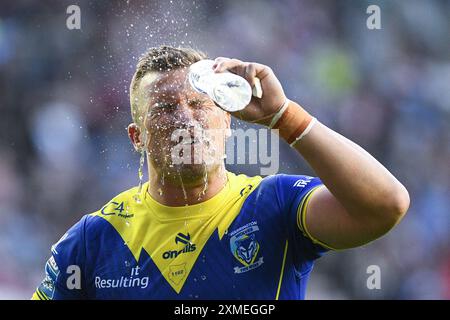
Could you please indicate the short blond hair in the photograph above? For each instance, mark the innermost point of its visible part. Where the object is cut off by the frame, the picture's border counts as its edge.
(159, 59)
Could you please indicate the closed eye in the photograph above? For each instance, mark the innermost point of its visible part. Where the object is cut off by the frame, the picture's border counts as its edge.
(197, 103)
(159, 107)
(164, 105)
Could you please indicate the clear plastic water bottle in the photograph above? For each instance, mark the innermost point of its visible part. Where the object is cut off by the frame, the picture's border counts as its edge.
(230, 91)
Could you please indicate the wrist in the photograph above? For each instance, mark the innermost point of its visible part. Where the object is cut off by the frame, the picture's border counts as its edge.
(292, 122)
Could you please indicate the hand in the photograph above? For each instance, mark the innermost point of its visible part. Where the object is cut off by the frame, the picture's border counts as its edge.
(259, 110)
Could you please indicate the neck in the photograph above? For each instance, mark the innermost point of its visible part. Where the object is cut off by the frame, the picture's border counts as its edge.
(176, 193)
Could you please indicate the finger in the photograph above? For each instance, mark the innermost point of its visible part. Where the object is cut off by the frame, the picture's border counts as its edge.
(262, 70)
(219, 60)
(250, 73)
(224, 64)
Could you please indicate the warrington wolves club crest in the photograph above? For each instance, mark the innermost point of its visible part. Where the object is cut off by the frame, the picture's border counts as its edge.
(245, 247)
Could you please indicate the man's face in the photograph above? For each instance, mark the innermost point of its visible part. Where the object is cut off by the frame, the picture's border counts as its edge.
(184, 130)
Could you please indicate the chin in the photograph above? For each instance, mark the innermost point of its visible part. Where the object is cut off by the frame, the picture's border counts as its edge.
(191, 164)
(191, 174)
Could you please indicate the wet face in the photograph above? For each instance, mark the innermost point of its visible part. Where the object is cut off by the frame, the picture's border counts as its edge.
(184, 130)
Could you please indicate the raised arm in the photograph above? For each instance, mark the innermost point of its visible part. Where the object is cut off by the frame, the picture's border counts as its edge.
(360, 200)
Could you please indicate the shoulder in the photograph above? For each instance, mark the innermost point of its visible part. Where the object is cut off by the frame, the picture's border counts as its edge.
(285, 182)
(285, 189)
(280, 185)
(121, 207)
(242, 179)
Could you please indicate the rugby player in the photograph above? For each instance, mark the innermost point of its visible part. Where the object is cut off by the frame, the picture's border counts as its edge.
(198, 231)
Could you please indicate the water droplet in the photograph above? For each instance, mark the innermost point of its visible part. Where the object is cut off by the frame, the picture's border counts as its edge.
(183, 188)
(205, 182)
(203, 277)
(137, 197)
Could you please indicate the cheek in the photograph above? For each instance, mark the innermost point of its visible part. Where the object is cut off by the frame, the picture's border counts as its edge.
(158, 135)
(214, 122)
(162, 126)
(211, 118)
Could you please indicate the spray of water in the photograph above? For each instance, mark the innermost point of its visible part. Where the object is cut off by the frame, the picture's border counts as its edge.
(183, 189)
(172, 23)
(205, 182)
(185, 202)
(137, 196)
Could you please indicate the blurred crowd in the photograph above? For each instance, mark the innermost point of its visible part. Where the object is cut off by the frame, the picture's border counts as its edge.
(64, 109)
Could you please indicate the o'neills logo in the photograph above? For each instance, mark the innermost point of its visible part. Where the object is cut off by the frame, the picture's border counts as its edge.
(132, 281)
(188, 246)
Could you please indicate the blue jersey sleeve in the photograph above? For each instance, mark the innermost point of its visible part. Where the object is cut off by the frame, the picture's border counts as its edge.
(294, 192)
(65, 268)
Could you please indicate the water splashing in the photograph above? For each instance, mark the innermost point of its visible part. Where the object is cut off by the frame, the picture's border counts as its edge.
(183, 188)
(137, 196)
(205, 182)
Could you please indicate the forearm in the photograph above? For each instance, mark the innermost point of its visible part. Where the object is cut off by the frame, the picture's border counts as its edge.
(360, 183)
(354, 178)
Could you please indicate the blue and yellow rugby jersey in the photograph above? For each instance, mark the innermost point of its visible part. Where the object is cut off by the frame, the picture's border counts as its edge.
(247, 242)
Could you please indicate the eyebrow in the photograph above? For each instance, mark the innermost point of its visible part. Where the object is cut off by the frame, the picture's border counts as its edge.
(160, 105)
(202, 99)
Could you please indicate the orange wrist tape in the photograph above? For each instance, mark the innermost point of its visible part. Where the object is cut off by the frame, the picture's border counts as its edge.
(293, 122)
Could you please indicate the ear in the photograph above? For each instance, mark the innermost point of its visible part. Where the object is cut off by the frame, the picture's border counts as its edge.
(134, 133)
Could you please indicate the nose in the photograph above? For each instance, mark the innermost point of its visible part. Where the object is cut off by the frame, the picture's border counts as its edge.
(180, 116)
